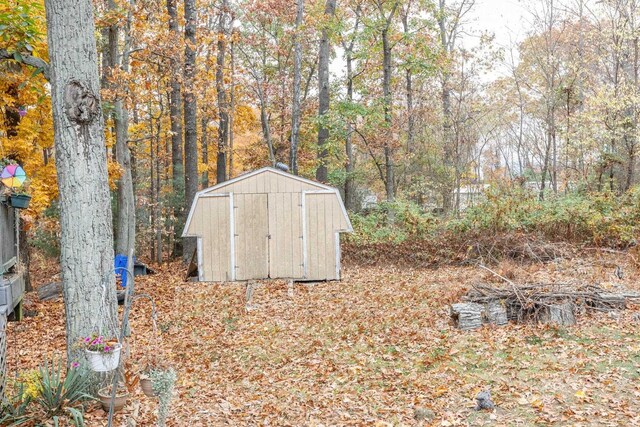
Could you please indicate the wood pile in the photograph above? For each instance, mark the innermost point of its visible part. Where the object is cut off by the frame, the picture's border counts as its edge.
(538, 302)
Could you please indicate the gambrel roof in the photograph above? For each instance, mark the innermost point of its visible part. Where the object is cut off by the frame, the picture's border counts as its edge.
(266, 180)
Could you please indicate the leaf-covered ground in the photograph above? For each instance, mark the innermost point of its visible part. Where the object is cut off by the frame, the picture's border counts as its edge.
(369, 350)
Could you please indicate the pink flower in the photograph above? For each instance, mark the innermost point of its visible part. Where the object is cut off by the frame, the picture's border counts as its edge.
(75, 364)
(87, 339)
(107, 348)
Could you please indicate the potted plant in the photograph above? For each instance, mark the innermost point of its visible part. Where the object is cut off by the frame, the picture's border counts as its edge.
(19, 199)
(121, 398)
(153, 369)
(103, 354)
(162, 383)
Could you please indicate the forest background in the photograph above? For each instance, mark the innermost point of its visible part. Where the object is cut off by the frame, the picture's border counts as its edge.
(380, 98)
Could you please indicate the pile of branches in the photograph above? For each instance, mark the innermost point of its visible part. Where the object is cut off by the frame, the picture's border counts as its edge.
(517, 246)
(448, 248)
(538, 302)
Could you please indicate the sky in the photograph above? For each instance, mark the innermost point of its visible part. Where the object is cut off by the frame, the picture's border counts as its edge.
(506, 19)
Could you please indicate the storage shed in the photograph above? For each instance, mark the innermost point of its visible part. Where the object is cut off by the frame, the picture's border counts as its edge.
(267, 224)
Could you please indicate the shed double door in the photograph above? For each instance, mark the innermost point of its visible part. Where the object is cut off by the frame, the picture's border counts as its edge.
(268, 236)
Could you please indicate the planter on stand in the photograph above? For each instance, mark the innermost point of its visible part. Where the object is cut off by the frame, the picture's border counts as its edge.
(147, 387)
(19, 201)
(122, 396)
(104, 362)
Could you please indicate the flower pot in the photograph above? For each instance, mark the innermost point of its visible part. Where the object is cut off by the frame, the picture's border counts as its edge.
(19, 201)
(122, 396)
(104, 362)
(147, 387)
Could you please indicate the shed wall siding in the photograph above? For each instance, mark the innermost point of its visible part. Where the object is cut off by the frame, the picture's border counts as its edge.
(323, 218)
(7, 234)
(251, 220)
(212, 221)
(268, 225)
(285, 229)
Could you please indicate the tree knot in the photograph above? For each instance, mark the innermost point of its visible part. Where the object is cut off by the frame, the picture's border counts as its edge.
(81, 105)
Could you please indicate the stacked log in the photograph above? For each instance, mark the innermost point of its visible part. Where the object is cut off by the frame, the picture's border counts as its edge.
(546, 303)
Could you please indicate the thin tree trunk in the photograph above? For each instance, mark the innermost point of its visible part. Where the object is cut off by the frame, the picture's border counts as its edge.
(266, 129)
(446, 112)
(323, 91)
(190, 117)
(386, 89)
(204, 146)
(126, 222)
(297, 71)
(175, 117)
(232, 99)
(85, 210)
(223, 112)
(408, 87)
(349, 183)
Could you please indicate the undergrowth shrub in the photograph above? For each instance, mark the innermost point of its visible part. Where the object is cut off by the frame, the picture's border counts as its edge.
(409, 221)
(597, 218)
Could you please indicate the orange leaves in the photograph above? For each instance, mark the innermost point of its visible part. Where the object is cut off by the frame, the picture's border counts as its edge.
(362, 351)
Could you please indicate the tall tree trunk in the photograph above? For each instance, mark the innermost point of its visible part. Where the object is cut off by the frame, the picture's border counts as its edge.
(126, 221)
(232, 99)
(175, 117)
(297, 77)
(266, 128)
(408, 86)
(223, 111)
(447, 124)
(323, 90)
(204, 146)
(349, 183)
(386, 90)
(85, 209)
(190, 119)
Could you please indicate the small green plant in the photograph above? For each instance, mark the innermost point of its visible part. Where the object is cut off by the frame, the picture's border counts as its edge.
(162, 382)
(48, 396)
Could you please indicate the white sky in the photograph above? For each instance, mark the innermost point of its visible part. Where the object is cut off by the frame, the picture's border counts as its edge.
(504, 18)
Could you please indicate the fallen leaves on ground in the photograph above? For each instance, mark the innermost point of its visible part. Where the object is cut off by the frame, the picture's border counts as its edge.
(368, 350)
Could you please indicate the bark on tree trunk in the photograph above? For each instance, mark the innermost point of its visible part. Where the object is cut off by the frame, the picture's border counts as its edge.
(349, 183)
(408, 87)
(386, 88)
(126, 220)
(297, 71)
(232, 99)
(190, 119)
(85, 208)
(175, 115)
(323, 91)
(223, 113)
(446, 112)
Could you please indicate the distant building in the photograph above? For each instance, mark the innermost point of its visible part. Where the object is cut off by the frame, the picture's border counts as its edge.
(470, 195)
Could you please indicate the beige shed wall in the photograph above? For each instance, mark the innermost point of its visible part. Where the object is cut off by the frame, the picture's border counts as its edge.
(279, 223)
(211, 221)
(323, 217)
(285, 228)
